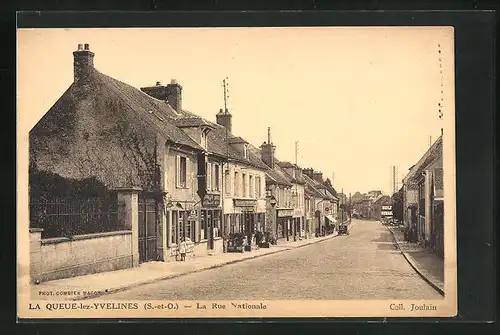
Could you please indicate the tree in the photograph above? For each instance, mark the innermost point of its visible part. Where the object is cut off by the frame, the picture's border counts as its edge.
(397, 205)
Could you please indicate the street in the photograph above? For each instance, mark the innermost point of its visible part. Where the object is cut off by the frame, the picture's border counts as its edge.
(364, 265)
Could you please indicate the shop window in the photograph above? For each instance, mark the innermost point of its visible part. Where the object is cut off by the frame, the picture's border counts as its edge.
(173, 232)
(180, 224)
(233, 228)
(190, 224)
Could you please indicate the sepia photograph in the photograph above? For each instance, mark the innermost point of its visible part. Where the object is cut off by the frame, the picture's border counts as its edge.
(236, 172)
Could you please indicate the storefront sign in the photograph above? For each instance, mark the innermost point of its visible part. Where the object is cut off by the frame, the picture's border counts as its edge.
(285, 212)
(211, 200)
(244, 203)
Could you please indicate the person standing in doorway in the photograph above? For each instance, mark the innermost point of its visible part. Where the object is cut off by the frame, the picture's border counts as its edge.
(182, 249)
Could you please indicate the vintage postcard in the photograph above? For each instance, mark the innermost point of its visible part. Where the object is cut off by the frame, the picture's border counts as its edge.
(236, 172)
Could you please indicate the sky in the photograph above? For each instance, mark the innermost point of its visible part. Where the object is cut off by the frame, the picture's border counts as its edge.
(358, 100)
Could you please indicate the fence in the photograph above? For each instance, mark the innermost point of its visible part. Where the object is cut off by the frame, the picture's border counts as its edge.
(69, 216)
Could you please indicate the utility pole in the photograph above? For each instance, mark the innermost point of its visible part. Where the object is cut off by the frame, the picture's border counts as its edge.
(342, 207)
(296, 191)
(225, 218)
(225, 84)
(393, 179)
(350, 208)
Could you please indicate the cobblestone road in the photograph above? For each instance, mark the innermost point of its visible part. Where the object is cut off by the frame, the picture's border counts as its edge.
(362, 265)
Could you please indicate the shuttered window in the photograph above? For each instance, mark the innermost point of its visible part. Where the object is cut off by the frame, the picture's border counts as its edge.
(227, 182)
(258, 187)
(244, 182)
(250, 187)
(216, 177)
(209, 176)
(236, 184)
(182, 171)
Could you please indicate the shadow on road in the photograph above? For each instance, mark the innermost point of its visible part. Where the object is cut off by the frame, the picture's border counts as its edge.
(384, 237)
(385, 241)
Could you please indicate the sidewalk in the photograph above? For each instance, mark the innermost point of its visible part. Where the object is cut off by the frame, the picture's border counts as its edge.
(429, 266)
(98, 284)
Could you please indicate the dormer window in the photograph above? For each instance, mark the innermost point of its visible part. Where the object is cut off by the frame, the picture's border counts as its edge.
(245, 150)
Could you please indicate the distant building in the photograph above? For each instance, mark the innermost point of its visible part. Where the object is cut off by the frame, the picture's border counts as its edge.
(382, 207)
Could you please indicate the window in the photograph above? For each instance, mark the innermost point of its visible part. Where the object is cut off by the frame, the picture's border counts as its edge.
(236, 184)
(216, 177)
(182, 165)
(227, 182)
(244, 178)
(245, 151)
(250, 187)
(258, 187)
(209, 176)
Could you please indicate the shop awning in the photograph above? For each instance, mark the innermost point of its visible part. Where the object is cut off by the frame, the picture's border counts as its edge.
(331, 218)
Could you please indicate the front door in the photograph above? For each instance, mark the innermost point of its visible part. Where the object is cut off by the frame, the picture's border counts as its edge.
(210, 228)
(147, 229)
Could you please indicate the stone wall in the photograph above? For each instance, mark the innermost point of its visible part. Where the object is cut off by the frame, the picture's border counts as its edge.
(61, 257)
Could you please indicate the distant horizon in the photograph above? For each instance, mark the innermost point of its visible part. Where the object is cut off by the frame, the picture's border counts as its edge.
(358, 100)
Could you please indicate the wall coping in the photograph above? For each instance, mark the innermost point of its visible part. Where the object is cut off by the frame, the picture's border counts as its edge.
(56, 240)
(128, 189)
(36, 230)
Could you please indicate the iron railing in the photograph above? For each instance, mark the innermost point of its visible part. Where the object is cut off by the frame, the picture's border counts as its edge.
(68, 216)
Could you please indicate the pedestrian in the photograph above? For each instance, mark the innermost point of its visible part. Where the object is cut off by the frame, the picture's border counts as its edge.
(182, 249)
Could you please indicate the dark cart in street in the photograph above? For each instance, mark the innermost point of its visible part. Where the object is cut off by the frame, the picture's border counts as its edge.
(343, 230)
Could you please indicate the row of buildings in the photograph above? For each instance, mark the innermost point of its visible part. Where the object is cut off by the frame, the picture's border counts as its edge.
(423, 199)
(370, 205)
(189, 178)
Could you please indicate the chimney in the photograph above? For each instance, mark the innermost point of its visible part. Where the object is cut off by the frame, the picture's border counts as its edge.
(318, 176)
(224, 118)
(267, 151)
(174, 95)
(309, 172)
(83, 62)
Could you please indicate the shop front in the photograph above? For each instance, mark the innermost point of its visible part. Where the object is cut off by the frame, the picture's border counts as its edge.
(245, 217)
(181, 222)
(284, 223)
(298, 223)
(210, 231)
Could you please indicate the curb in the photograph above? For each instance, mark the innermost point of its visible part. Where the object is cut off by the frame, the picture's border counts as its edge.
(415, 267)
(176, 275)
